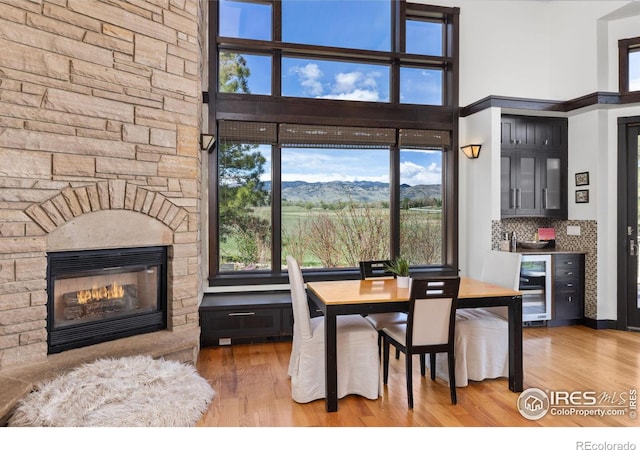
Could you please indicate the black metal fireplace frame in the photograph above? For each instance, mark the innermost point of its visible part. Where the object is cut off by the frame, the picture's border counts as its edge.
(80, 335)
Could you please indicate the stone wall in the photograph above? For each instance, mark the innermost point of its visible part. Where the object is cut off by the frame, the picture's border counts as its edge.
(100, 106)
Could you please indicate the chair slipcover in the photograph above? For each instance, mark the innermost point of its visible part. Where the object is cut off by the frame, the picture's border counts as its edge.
(357, 348)
(482, 334)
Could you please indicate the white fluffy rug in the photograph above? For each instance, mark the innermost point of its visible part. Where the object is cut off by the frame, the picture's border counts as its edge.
(136, 391)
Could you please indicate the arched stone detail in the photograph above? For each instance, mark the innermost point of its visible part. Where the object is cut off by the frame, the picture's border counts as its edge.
(105, 195)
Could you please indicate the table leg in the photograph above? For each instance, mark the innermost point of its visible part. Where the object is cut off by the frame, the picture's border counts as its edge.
(516, 370)
(331, 360)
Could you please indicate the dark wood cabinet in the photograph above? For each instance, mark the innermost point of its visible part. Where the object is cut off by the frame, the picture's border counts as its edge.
(533, 167)
(568, 289)
(245, 317)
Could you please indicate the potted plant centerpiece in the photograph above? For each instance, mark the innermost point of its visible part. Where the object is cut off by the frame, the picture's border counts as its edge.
(400, 268)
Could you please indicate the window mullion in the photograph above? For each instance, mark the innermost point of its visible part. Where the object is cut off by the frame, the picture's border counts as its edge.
(276, 209)
(394, 204)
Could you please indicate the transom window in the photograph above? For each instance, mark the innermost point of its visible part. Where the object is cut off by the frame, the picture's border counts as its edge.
(334, 124)
(629, 65)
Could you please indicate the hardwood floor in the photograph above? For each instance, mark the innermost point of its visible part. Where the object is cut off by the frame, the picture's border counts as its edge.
(253, 389)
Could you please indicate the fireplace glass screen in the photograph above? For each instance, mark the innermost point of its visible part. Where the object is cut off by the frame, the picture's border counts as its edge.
(99, 295)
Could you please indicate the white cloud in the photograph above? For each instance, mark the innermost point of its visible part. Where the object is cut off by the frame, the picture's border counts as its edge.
(357, 94)
(414, 174)
(354, 86)
(310, 76)
(346, 82)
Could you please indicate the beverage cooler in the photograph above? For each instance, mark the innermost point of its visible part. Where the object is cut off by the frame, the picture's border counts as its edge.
(535, 284)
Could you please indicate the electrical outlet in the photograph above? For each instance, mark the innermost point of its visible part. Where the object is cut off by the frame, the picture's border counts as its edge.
(573, 230)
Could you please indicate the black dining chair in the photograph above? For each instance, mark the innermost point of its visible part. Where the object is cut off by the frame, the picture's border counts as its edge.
(430, 328)
(378, 269)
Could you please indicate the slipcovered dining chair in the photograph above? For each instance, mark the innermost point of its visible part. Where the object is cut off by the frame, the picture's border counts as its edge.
(378, 269)
(358, 361)
(430, 328)
(482, 334)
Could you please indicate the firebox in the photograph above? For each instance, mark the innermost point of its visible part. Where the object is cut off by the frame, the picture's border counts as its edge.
(99, 295)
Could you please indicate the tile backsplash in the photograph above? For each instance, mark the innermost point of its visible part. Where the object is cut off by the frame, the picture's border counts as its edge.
(586, 242)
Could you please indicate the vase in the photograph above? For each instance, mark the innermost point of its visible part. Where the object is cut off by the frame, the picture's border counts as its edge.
(403, 282)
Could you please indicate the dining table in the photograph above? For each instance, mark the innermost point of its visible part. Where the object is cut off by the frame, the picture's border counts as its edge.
(334, 298)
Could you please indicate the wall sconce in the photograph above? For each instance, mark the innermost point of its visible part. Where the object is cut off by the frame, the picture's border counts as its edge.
(207, 141)
(471, 151)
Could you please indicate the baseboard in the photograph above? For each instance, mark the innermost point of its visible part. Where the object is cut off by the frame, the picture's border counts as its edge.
(601, 324)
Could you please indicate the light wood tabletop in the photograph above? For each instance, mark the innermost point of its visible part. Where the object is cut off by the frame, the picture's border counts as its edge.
(385, 290)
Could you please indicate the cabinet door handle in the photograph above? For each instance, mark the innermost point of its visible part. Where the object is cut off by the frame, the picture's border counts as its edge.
(569, 273)
(569, 284)
(544, 197)
(514, 203)
(569, 299)
(242, 314)
(519, 205)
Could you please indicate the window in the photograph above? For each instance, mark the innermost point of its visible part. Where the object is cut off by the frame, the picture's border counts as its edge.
(338, 147)
(420, 86)
(335, 195)
(424, 37)
(335, 209)
(338, 80)
(634, 69)
(246, 20)
(357, 24)
(629, 65)
(244, 73)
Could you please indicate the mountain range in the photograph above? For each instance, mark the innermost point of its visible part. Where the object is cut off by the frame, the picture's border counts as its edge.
(359, 191)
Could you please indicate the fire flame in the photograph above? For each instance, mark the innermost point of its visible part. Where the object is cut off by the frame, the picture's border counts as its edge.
(100, 293)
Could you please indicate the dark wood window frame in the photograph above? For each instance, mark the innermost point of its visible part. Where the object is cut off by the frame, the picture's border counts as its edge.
(277, 109)
(625, 46)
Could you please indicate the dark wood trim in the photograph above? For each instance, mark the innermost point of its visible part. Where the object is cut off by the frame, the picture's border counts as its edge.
(595, 98)
(527, 104)
(630, 97)
(510, 102)
(623, 199)
(247, 107)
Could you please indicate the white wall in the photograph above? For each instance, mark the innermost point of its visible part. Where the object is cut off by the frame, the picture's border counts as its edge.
(535, 49)
(556, 50)
(479, 184)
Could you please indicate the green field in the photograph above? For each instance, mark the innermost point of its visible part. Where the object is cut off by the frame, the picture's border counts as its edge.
(421, 226)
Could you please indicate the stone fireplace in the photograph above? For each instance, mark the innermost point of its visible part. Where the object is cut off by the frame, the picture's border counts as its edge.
(100, 119)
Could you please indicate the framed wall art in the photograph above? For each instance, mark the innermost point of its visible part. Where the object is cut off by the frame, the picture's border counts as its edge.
(582, 196)
(582, 178)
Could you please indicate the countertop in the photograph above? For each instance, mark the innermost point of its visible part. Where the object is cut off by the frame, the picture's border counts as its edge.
(547, 251)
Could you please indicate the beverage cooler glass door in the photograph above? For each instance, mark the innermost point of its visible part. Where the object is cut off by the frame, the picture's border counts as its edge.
(535, 284)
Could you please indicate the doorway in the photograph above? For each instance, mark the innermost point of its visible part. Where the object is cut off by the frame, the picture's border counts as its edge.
(628, 223)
